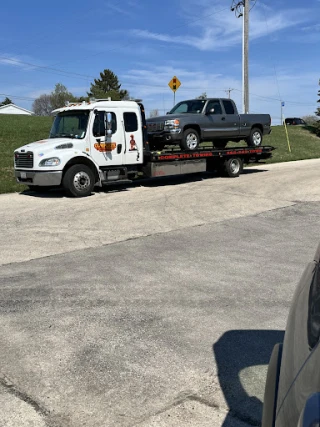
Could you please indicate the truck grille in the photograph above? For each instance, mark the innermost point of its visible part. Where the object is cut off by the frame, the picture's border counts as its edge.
(23, 160)
(155, 126)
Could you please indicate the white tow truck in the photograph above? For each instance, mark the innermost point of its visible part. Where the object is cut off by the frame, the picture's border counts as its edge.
(98, 143)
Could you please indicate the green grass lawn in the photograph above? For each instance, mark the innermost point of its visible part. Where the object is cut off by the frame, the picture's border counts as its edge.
(16, 131)
(304, 144)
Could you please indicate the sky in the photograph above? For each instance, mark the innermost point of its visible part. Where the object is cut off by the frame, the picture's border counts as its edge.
(147, 42)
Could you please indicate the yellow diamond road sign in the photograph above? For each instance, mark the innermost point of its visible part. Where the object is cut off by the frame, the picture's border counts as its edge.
(174, 83)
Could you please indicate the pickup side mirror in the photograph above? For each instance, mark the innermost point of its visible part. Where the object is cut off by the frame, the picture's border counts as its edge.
(211, 111)
(108, 123)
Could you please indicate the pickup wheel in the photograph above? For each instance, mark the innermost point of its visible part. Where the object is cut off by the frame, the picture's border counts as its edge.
(233, 167)
(255, 138)
(190, 140)
(78, 181)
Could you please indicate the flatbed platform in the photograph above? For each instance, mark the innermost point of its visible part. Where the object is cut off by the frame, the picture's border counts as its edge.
(256, 153)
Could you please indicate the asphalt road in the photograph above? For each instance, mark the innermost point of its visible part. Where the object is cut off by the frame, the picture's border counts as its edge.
(154, 305)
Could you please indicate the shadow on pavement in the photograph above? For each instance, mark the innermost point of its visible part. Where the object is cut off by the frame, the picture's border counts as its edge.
(143, 182)
(235, 352)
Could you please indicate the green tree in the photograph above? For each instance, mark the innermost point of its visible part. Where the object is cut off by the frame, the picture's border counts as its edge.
(6, 102)
(60, 95)
(107, 86)
(317, 125)
(203, 96)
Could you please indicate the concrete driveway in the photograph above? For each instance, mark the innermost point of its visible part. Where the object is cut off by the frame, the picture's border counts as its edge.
(151, 305)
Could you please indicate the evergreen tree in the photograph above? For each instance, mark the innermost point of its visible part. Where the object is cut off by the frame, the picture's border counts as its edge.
(107, 86)
(6, 101)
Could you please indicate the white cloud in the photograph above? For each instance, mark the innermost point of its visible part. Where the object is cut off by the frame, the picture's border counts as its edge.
(216, 31)
(314, 27)
(7, 59)
(297, 89)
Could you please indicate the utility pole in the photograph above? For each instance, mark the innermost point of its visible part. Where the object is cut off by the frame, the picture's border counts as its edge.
(282, 105)
(242, 8)
(245, 57)
(228, 92)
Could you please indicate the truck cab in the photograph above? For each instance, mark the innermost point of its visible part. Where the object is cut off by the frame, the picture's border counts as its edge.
(89, 143)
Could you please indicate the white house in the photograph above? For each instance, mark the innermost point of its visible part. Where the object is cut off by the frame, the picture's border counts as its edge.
(14, 109)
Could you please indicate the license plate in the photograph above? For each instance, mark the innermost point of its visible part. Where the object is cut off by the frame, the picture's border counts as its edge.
(23, 175)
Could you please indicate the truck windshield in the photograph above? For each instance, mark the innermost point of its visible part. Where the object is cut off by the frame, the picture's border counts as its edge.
(194, 106)
(70, 124)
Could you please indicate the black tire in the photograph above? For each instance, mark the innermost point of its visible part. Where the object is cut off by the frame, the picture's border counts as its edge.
(220, 145)
(78, 181)
(271, 388)
(190, 140)
(233, 167)
(255, 138)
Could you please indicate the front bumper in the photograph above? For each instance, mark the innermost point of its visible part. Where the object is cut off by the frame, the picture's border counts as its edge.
(166, 136)
(41, 178)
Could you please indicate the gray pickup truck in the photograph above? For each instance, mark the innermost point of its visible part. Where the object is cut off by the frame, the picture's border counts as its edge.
(214, 119)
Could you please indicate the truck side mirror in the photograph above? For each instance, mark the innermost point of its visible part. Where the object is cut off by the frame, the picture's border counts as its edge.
(108, 123)
(211, 111)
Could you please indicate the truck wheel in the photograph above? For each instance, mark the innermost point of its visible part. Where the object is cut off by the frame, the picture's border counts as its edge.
(190, 140)
(233, 167)
(78, 181)
(271, 388)
(255, 138)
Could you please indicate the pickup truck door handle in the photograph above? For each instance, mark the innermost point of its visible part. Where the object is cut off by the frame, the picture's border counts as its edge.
(119, 148)
(223, 118)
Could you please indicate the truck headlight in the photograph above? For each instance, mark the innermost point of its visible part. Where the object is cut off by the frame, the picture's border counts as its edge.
(172, 123)
(53, 161)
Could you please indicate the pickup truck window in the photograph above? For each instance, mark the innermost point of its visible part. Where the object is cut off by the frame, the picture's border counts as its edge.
(130, 122)
(215, 103)
(194, 106)
(228, 107)
(99, 127)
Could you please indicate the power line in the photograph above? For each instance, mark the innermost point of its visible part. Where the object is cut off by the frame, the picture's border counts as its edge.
(134, 42)
(65, 73)
(186, 89)
(23, 98)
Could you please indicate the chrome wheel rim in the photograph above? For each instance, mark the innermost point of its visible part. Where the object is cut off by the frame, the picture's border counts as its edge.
(192, 140)
(256, 138)
(234, 166)
(81, 181)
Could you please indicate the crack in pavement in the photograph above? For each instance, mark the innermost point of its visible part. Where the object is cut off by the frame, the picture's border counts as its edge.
(182, 398)
(13, 390)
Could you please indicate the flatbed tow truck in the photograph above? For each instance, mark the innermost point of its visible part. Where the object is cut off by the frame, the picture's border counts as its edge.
(103, 142)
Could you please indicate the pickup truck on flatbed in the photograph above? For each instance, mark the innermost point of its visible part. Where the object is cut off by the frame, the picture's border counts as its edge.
(104, 142)
(214, 119)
